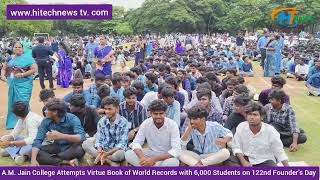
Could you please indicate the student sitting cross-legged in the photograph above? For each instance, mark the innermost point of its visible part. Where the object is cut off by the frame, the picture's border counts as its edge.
(17, 146)
(256, 143)
(162, 137)
(209, 140)
(112, 134)
(65, 133)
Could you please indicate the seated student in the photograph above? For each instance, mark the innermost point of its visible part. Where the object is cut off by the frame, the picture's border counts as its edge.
(66, 133)
(150, 83)
(301, 71)
(94, 99)
(77, 85)
(173, 110)
(229, 91)
(182, 74)
(140, 90)
(209, 140)
(137, 74)
(228, 105)
(239, 114)
(204, 96)
(125, 81)
(162, 137)
(282, 117)
(88, 115)
(256, 143)
(231, 64)
(246, 69)
(313, 82)
(230, 74)
(17, 146)
(277, 83)
(112, 135)
(151, 96)
(173, 82)
(133, 111)
(292, 67)
(45, 96)
(117, 90)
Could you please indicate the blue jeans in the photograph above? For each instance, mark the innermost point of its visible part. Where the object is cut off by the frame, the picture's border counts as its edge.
(19, 151)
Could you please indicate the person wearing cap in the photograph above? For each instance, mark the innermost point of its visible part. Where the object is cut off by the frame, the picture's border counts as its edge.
(15, 145)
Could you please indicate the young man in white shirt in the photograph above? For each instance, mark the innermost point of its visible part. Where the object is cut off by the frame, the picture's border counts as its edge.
(18, 147)
(301, 71)
(162, 136)
(256, 143)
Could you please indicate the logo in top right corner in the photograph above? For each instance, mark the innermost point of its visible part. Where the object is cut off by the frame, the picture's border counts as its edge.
(291, 17)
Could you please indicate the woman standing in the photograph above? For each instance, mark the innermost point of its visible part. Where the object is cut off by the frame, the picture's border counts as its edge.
(179, 49)
(64, 66)
(18, 74)
(104, 55)
(270, 62)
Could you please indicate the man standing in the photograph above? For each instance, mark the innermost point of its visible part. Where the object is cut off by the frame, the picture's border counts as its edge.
(261, 46)
(89, 49)
(161, 135)
(239, 43)
(41, 54)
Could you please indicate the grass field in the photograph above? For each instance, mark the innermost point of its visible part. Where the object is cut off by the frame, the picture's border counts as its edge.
(307, 110)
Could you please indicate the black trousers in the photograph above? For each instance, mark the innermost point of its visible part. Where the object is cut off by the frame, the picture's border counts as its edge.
(53, 155)
(45, 67)
(263, 57)
(234, 161)
(287, 137)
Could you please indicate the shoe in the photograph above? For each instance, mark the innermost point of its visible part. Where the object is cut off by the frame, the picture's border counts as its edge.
(4, 153)
(19, 160)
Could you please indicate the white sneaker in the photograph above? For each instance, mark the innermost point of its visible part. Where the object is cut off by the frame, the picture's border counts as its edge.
(4, 153)
(19, 160)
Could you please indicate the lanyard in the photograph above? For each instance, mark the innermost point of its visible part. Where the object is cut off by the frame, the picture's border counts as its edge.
(202, 145)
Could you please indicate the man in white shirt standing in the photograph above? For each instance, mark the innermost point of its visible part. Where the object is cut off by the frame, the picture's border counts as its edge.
(162, 137)
(16, 146)
(256, 143)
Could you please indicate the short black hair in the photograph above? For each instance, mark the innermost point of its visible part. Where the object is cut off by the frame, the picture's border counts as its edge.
(157, 105)
(138, 85)
(241, 80)
(129, 92)
(204, 92)
(232, 71)
(232, 82)
(201, 80)
(77, 82)
(41, 39)
(241, 89)
(58, 105)
(110, 101)
(103, 91)
(161, 86)
(20, 108)
(256, 106)
(212, 76)
(45, 94)
(242, 100)
(167, 92)
(78, 100)
(99, 77)
(197, 112)
(136, 70)
(278, 80)
(152, 77)
(279, 95)
(116, 79)
(172, 81)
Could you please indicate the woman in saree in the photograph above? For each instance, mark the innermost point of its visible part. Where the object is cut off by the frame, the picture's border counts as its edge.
(18, 73)
(64, 66)
(270, 62)
(179, 49)
(104, 55)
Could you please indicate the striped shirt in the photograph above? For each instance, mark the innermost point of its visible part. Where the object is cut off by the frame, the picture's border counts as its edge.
(228, 106)
(205, 143)
(135, 117)
(114, 135)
